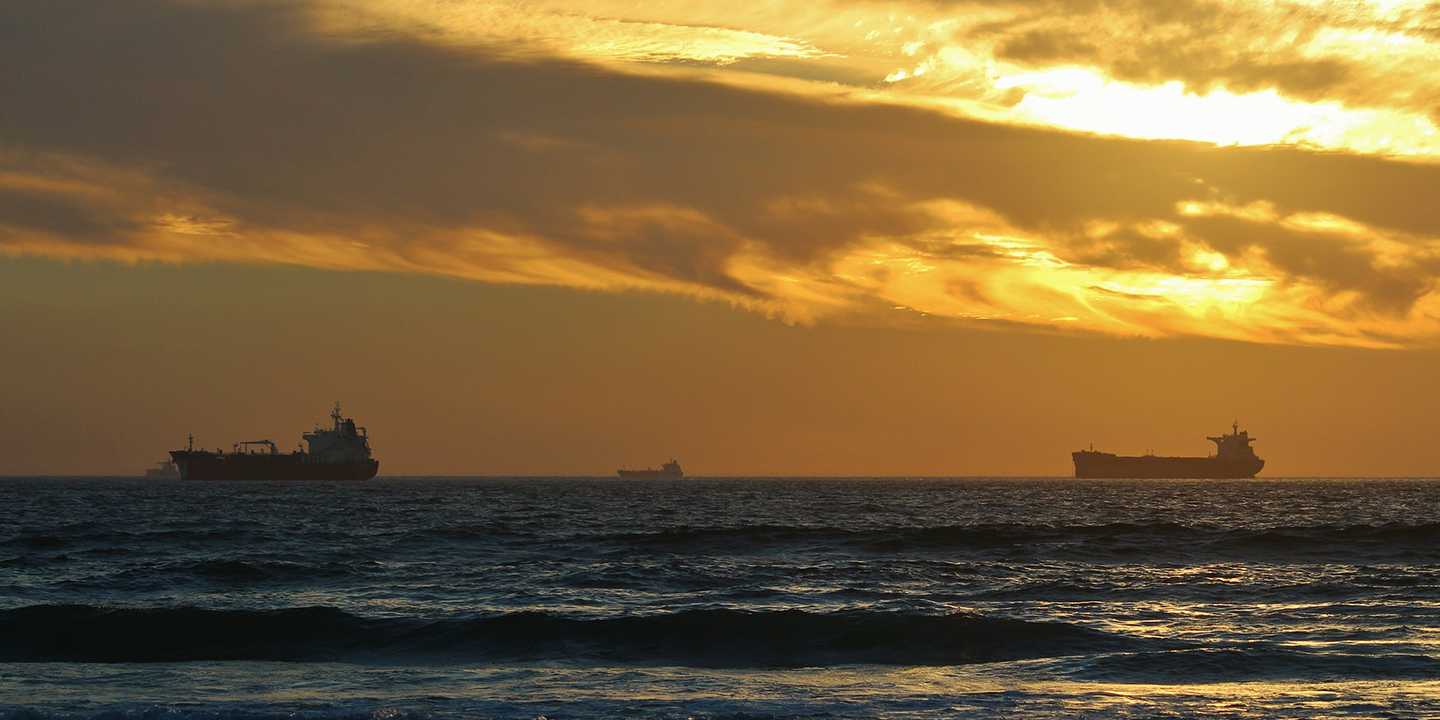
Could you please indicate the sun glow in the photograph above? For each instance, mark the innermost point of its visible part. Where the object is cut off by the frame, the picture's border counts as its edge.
(1083, 99)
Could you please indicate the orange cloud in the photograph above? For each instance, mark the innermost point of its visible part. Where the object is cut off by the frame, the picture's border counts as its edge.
(248, 133)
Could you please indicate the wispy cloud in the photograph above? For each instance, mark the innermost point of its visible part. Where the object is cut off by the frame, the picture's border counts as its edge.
(592, 31)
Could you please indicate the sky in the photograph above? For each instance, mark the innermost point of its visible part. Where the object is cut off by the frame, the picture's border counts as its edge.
(775, 237)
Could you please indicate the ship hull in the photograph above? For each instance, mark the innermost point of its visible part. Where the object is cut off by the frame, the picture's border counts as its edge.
(1106, 465)
(648, 475)
(215, 466)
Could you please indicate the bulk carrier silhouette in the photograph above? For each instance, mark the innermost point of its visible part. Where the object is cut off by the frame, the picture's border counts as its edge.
(340, 453)
(1233, 458)
(669, 471)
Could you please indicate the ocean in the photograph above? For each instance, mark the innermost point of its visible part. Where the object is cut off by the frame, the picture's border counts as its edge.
(719, 598)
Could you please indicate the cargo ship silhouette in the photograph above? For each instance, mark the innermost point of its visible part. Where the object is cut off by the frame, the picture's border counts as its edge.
(1233, 458)
(669, 471)
(340, 453)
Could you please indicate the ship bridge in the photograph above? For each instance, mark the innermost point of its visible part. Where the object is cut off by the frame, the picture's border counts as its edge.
(1235, 444)
(343, 442)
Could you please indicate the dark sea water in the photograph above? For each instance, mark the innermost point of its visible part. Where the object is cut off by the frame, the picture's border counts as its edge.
(711, 598)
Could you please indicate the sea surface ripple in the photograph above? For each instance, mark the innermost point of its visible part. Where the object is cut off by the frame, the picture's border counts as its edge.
(719, 597)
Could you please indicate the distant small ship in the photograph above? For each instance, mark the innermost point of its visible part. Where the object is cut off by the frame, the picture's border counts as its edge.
(340, 453)
(669, 471)
(1233, 458)
(163, 470)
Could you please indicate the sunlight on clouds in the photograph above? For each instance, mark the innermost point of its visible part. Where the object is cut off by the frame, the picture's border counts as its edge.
(1014, 277)
(1209, 260)
(1258, 211)
(1197, 295)
(533, 27)
(974, 267)
(1383, 98)
(758, 195)
(1082, 99)
(1013, 289)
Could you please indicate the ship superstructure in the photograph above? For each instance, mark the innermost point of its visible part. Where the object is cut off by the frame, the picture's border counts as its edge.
(1233, 458)
(669, 471)
(340, 452)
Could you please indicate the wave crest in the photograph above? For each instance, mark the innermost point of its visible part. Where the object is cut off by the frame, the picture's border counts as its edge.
(717, 638)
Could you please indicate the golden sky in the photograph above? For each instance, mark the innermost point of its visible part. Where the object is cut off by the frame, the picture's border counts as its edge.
(812, 180)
